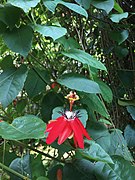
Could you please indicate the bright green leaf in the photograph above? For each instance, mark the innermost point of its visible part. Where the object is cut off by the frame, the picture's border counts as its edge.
(76, 8)
(105, 121)
(25, 127)
(117, 17)
(94, 151)
(11, 83)
(23, 4)
(50, 31)
(117, 7)
(129, 134)
(51, 5)
(79, 83)
(19, 39)
(126, 102)
(84, 3)
(84, 58)
(106, 5)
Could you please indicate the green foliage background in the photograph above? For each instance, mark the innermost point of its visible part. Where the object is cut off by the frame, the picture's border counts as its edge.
(48, 48)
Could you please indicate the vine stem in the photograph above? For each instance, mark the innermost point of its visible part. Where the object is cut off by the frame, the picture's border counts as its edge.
(40, 152)
(13, 172)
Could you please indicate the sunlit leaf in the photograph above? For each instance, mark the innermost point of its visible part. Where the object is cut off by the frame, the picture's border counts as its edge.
(23, 4)
(50, 31)
(25, 127)
(79, 83)
(117, 17)
(84, 58)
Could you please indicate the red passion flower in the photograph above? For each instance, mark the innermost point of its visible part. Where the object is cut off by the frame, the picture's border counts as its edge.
(67, 125)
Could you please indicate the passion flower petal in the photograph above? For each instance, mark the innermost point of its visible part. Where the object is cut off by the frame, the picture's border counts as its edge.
(83, 129)
(77, 133)
(50, 125)
(65, 133)
(56, 130)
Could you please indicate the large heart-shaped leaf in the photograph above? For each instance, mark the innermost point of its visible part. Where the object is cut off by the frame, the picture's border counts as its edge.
(84, 58)
(11, 83)
(79, 83)
(36, 81)
(94, 151)
(51, 5)
(120, 170)
(19, 39)
(23, 4)
(10, 15)
(22, 166)
(25, 127)
(50, 31)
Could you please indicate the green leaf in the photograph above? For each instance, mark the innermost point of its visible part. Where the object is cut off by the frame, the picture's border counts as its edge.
(3, 27)
(127, 78)
(21, 165)
(50, 31)
(119, 146)
(23, 4)
(42, 178)
(36, 82)
(119, 36)
(100, 134)
(104, 121)
(37, 166)
(94, 151)
(80, 169)
(131, 110)
(76, 8)
(84, 58)
(126, 102)
(120, 170)
(11, 83)
(82, 112)
(49, 102)
(95, 104)
(19, 39)
(51, 5)
(25, 127)
(106, 5)
(79, 83)
(84, 3)
(6, 63)
(10, 15)
(105, 91)
(117, 7)
(117, 17)
(121, 52)
(68, 43)
(129, 134)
